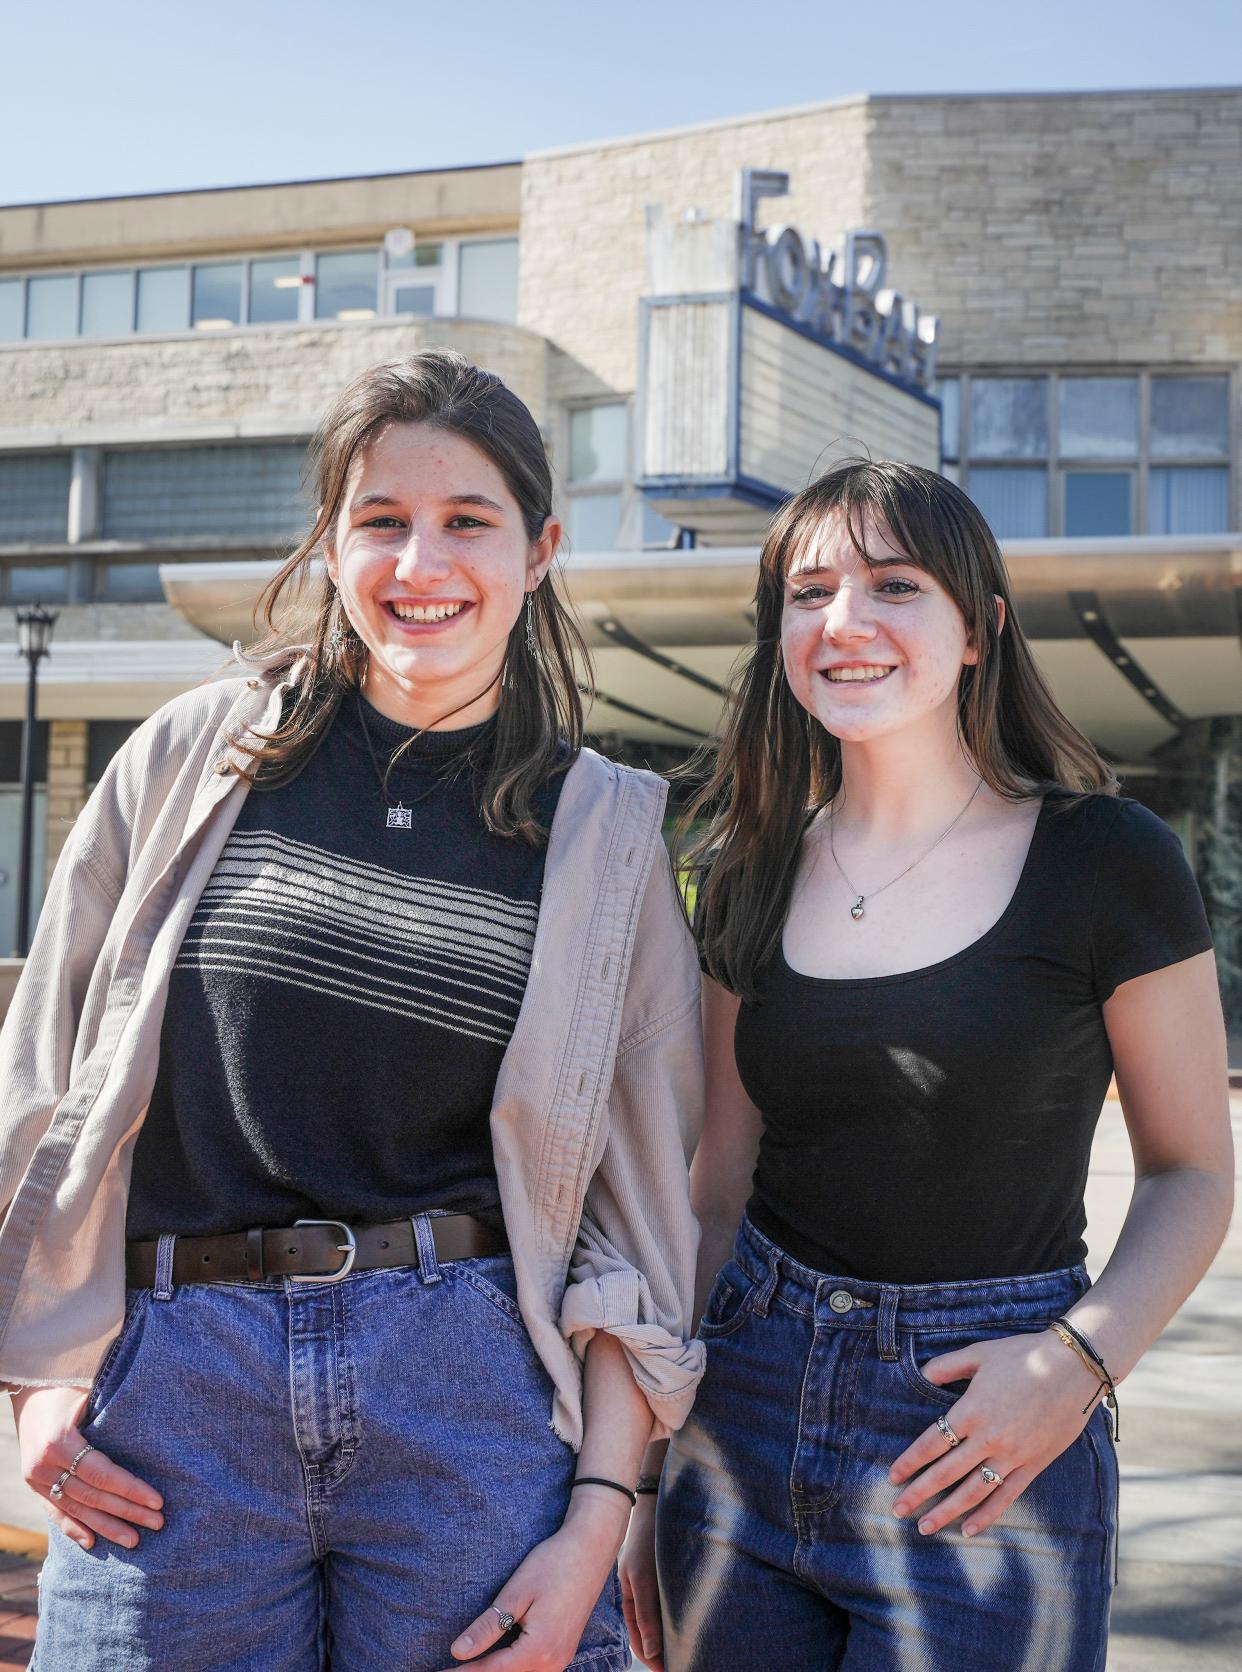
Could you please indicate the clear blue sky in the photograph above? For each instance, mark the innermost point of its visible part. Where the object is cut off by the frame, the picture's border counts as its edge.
(126, 96)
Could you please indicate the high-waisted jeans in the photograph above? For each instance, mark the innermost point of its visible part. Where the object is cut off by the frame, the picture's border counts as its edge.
(350, 1473)
(776, 1539)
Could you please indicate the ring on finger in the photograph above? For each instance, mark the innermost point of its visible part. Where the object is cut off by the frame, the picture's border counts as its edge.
(507, 1622)
(943, 1424)
(990, 1475)
(58, 1489)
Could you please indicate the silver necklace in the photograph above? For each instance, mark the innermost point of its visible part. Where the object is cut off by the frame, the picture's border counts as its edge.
(400, 817)
(858, 908)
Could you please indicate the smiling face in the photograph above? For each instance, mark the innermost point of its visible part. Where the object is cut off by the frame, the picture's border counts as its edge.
(432, 561)
(871, 645)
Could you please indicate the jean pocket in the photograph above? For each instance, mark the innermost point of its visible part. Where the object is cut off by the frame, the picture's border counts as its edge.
(729, 1304)
(119, 1359)
(494, 1279)
(919, 1347)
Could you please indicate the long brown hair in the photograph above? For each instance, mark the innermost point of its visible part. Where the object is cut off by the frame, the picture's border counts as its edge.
(539, 723)
(776, 765)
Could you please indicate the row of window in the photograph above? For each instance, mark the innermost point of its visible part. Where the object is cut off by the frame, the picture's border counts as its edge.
(1086, 455)
(474, 278)
(103, 739)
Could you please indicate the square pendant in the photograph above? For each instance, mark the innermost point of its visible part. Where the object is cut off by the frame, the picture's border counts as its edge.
(400, 818)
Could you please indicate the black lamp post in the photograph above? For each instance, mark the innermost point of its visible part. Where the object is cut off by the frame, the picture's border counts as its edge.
(34, 636)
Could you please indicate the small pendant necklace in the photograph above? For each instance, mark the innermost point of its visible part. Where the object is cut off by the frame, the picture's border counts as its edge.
(858, 909)
(399, 817)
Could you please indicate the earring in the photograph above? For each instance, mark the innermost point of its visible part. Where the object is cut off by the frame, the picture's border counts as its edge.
(532, 642)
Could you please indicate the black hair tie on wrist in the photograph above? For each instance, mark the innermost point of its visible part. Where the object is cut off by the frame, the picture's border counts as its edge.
(598, 1480)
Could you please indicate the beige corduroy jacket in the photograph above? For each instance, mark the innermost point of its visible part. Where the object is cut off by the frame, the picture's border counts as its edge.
(597, 1105)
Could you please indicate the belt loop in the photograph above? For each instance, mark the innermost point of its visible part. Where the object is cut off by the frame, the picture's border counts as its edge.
(424, 1241)
(254, 1253)
(888, 1323)
(763, 1295)
(164, 1267)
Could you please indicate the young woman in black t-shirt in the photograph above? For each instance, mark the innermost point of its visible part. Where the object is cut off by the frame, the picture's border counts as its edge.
(932, 930)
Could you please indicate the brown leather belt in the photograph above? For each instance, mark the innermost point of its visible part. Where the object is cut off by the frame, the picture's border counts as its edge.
(312, 1251)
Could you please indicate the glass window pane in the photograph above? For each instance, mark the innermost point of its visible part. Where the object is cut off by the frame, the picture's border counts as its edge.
(11, 310)
(1099, 418)
(38, 584)
(488, 280)
(1188, 501)
(1014, 503)
(949, 390)
(414, 299)
(1008, 417)
(594, 522)
(132, 583)
(345, 284)
(422, 255)
(657, 530)
(1189, 417)
(52, 306)
(163, 299)
(1098, 502)
(34, 497)
(274, 289)
(103, 739)
(215, 296)
(597, 443)
(107, 304)
(251, 489)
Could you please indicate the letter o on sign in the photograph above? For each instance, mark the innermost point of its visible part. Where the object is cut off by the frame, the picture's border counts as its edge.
(789, 272)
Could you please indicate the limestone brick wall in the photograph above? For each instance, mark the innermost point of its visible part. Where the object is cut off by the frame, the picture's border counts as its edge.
(66, 783)
(1087, 228)
(254, 378)
(583, 222)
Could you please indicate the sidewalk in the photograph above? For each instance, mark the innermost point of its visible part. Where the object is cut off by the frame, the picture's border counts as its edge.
(1179, 1602)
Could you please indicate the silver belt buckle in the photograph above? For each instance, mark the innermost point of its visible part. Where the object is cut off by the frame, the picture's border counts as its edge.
(349, 1248)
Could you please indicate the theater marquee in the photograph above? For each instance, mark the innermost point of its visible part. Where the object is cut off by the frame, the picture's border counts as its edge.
(763, 358)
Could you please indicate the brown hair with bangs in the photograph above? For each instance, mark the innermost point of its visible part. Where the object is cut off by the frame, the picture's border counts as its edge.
(541, 705)
(776, 765)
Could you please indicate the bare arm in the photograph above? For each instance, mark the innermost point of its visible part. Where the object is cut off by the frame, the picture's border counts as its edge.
(1028, 1395)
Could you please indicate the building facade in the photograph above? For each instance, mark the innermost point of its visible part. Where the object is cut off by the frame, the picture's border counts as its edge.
(164, 359)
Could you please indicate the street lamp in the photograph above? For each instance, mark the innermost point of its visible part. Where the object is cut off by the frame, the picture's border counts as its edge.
(34, 636)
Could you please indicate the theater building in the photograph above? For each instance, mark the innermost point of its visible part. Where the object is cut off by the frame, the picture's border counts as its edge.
(1040, 295)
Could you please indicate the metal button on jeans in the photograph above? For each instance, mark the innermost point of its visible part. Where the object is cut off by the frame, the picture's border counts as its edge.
(840, 1301)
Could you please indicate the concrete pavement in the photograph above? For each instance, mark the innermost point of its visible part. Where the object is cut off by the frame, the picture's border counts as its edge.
(1179, 1601)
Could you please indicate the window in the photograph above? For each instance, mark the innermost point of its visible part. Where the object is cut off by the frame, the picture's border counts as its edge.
(1008, 417)
(346, 284)
(598, 449)
(1122, 454)
(42, 583)
(216, 295)
(107, 304)
(1099, 418)
(488, 280)
(231, 489)
(129, 583)
(11, 751)
(34, 497)
(275, 290)
(52, 306)
(163, 299)
(103, 739)
(12, 310)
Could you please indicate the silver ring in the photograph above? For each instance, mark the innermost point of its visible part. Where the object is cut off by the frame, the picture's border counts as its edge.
(73, 1467)
(942, 1423)
(990, 1475)
(507, 1622)
(58, 1486)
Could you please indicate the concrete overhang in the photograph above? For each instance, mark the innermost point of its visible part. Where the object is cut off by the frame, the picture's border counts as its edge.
(1135, 636)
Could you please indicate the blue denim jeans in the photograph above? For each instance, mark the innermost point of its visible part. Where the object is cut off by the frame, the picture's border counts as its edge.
(350, 1473)
(776, 1540)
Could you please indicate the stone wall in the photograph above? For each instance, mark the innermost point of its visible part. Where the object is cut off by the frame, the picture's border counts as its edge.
(267, 378)
(1087, 228)
(66, 783)
(584, 225)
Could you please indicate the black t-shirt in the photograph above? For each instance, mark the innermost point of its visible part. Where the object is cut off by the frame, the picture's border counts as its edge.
(342, 1000)
(936, 1126)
